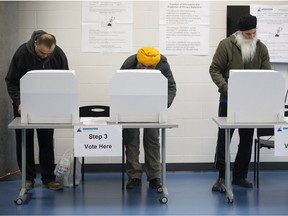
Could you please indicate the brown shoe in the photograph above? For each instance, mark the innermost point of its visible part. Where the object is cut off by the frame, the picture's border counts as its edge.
(29, 184)
(53, 185)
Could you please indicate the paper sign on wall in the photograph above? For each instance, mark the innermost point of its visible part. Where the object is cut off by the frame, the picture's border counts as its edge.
(97, 140)
(281, 140)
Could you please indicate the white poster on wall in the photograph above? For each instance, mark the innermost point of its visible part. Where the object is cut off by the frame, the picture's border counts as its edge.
(272, 29)
(184, 27)
(107, 26)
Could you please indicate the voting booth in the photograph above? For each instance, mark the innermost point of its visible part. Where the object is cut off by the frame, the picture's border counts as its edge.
(138, 96)
(256, 96)
(49, 96)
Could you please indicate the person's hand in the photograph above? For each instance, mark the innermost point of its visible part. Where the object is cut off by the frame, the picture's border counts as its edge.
(19, 109)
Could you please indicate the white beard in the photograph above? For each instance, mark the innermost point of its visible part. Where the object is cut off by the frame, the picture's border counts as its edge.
(248, 47)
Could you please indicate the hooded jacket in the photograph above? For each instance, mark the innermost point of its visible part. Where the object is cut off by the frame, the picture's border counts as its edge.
(228, 56)
(131, 63)
(25, 59)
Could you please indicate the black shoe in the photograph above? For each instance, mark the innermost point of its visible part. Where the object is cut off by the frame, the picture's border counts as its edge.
(133, 183)
(155, 183)
(242, 183)
(219, 185)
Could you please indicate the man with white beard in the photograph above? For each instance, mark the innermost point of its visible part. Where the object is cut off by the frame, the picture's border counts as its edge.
(241, 50)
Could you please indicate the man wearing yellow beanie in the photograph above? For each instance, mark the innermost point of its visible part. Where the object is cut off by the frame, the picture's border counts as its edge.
(146, 58)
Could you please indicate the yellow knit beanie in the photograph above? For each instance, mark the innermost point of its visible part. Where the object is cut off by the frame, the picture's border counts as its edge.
(148, 56)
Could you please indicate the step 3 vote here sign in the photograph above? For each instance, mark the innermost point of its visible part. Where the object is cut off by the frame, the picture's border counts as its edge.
(94, 140)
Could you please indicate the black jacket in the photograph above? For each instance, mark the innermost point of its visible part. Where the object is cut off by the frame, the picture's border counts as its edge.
(25, 59)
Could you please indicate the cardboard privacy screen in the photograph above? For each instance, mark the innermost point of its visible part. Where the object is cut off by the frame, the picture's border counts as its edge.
(256, 96)
(138, 96)
(49, 96)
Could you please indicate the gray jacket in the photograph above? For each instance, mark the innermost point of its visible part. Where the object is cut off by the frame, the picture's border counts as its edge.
(228, 56)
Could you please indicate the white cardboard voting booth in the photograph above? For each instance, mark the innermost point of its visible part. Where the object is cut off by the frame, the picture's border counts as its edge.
(138, 96)
(256, 96)
(49, 96)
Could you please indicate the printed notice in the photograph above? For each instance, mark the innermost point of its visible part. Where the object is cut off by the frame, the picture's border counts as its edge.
(272, 29)
(184, 27)
(107, 26)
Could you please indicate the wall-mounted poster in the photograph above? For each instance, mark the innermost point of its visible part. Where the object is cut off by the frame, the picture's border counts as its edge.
(272, 29)
(184, 27)
(107, 26)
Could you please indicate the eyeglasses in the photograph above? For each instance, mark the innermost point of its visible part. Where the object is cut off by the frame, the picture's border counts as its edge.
(143, 66)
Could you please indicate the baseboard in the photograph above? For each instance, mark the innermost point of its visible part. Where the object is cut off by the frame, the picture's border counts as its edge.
(174, 167)
(197, 167)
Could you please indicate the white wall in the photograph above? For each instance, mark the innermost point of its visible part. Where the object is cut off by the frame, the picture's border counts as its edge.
(197, 97)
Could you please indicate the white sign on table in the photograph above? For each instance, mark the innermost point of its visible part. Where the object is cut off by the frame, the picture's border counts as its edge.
(97, 140)
(281, 140)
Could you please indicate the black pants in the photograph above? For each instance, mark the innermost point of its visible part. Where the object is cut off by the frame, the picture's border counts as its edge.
(243, 156)
(46, 152)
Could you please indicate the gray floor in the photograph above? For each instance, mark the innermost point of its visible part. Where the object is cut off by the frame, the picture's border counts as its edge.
(189, 194)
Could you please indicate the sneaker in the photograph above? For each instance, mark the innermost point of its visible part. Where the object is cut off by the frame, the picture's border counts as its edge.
(29, 184)
(155, 183)
(53, 185)
(133, 183)
(219, 185)
(242, 183)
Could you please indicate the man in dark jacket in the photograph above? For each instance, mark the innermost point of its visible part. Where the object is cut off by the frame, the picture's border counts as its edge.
(146, 58)
(242, 50)
(40, 52)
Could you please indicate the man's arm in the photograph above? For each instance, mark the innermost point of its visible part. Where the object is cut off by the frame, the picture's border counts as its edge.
(13, 81)
(218, 68)
(165, 69)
